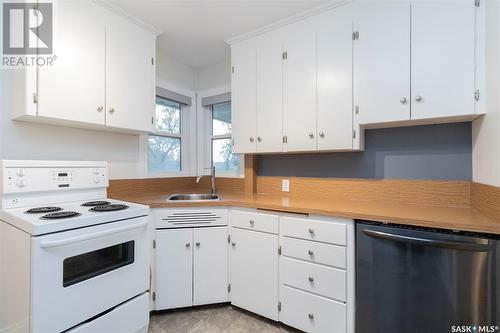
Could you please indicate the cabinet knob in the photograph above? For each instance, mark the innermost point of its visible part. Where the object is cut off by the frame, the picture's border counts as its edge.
(311, 231)
(321, 134)
(311, 135)
(252, 222)
(188, 244)
(310, 252)
(251, 139)
(259, 139)
(419, 98)
(112, 110)
(311, 316)
(100, 108)
(233, 244)
(311, 279)
(403, 100)
(198, 244)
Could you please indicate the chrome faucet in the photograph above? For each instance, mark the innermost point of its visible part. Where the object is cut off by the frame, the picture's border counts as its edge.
(212, 170)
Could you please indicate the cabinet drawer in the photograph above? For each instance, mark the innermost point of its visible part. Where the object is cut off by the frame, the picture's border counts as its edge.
(321, 231)
(326, 254)
(254, 221)
(311, 313)
(320, 280)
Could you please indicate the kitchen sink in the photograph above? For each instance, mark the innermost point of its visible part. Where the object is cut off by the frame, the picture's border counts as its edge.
(194, 197)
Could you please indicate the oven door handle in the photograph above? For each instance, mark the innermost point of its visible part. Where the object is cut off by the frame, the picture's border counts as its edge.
(429, 241)
(67, 241)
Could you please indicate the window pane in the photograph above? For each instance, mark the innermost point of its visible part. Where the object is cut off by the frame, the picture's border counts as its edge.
(168, 116)
(164, 154)
(221, 118)
(222, 156)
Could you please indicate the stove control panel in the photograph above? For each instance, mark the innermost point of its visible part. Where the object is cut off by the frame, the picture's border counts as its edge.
(23, 177)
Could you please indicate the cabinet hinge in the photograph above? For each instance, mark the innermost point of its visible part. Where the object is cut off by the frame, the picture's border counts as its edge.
(229, 288)
(154, 243)
(152, 120)
(356, 109)
(355, 35)
(478, 3)
(152, 61)
(35, 98)
(285, 55)
(279, 306)
(285, 139)
(232, 69)
(279, 250)
(354, 134)
(154, 296)
(476, 95)
(228, 239)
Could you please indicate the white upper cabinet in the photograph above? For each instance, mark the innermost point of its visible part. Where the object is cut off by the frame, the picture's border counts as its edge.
(442, 58)
(335, 107)
(299, 115)
(73, 88)
(382, 61)
(244, 97)
(270, 93)
(130, 75)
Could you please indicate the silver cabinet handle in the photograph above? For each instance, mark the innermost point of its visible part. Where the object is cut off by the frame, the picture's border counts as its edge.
(251, 139)
(310, 252)
(403, 100)
(311, 231)
(233, 244)
(112, 110)
(311, 279)
(311, 316)
(311, 135)
(100, 108)
(188, 244)
(198, 244)
(321, 134)
(259, 139)
(419, 98)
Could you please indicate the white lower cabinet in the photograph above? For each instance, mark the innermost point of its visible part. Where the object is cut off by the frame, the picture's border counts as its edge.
(191, 267)
(254, 271)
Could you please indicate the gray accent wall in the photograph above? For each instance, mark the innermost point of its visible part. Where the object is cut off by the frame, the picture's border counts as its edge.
(419, 152)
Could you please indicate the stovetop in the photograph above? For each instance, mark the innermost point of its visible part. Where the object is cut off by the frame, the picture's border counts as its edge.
(58, 217)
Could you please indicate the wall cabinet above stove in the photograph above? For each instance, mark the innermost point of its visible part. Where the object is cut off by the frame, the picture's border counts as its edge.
(102, 77)
(355, 66)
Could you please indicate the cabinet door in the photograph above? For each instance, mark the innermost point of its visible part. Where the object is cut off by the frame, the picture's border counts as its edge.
(270, 93)
(210, 265)
(73, 87)
(130, 75)
(442, 75)
(174, 267)
(244, 96)
(254, 272)
(382, 61)
(300, 88)
(334, 116)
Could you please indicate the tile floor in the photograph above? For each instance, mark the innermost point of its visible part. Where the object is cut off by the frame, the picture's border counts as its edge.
(213, 319)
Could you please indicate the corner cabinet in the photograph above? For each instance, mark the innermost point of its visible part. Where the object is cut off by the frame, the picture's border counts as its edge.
(102, 77)
(364, 64)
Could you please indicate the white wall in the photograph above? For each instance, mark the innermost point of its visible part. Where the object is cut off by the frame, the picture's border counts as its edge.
(174, 73)
(486, 130)
(213, 76)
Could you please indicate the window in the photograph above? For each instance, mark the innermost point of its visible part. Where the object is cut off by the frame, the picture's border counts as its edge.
(164, 147)
(223, 159)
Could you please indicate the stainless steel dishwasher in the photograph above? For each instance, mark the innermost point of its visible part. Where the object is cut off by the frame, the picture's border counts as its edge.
(424, 280)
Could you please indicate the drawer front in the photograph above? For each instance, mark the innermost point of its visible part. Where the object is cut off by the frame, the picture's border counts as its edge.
(326, 254)
(190, 217)
(320, 280)
(320, 231)
(255, 221)
(312, 313)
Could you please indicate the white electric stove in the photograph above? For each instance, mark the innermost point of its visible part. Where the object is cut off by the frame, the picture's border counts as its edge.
(71, 259)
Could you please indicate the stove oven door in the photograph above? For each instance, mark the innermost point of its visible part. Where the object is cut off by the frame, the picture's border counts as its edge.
(82, 273)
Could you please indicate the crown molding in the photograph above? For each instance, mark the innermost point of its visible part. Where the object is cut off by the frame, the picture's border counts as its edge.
(117, 10)
(289, 20)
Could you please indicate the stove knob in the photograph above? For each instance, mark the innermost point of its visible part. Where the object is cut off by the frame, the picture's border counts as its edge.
(95, 171)
(20, 172)
(97, 180)
(21, 183)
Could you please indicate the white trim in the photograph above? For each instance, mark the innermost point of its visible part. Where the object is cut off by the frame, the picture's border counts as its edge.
(289, 20)
(123, 13)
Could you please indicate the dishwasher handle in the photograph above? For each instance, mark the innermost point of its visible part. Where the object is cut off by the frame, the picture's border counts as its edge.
(429, 242)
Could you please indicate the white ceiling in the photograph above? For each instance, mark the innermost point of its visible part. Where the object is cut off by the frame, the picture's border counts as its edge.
(194, 31)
